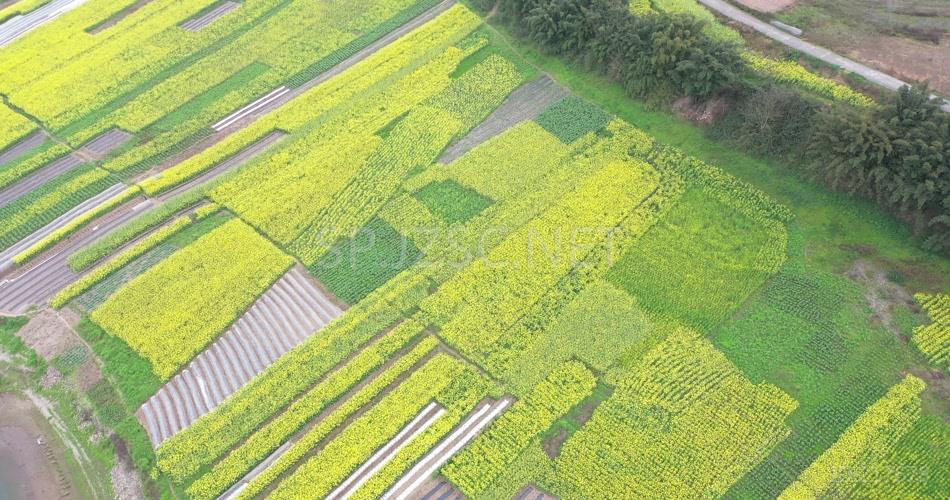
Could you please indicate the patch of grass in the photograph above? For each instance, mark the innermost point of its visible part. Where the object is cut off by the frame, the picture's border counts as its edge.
(572, 117)
(495, 46)
(697, 264)
(357, 265)
(810, 333)
(130, 373)
(10, 343)
(451, 201)
(114, 414)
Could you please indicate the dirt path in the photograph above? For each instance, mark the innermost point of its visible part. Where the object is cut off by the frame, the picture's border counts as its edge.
(30, 465)
(768, 6)
(873, 75)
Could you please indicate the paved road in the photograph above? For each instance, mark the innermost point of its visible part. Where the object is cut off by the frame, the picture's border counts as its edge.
(873, 75)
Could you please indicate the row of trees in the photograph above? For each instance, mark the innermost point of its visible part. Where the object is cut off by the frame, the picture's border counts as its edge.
(647, 53)
(897, 155)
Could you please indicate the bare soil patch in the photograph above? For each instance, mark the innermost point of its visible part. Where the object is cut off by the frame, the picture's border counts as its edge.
(909, 60)
(882, 294)
(767, 5)
(702, 113)
(125, 478)
(552, 444)
(48, 334)
(28, 463)
(904, 58)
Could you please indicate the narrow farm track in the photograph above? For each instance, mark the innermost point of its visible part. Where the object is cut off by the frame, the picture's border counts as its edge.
(428, 416)
(18, 26)
(878, 77)
(201, 22)
(282, 318)
(525, 103)
(410, 484)
(95, 149)
(23, 147)
(35, 285)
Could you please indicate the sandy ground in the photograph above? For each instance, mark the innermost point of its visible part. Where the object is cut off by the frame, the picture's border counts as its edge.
(28, 464)
(766, 5)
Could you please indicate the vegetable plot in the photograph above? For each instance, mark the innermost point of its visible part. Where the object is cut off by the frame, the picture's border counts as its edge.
(173, 310)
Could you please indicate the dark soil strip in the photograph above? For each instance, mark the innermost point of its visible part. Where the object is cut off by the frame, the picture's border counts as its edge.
(117, 17)
(24, 146)
(101, 146)
(201, 22)
(95, 149)
(38, 178)
(525, 103)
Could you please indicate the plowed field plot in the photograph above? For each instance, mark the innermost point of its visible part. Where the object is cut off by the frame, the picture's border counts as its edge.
(283, 317)
(97, 148)
(525, 103)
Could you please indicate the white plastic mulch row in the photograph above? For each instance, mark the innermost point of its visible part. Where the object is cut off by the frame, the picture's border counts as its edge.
(202, 22)
(282, 318)
(462, 435)
(418, 425)
(250, 108)
(18, 26)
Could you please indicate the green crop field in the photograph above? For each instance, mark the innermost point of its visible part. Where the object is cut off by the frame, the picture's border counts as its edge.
(423, 249)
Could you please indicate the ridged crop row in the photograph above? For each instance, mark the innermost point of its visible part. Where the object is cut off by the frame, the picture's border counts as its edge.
(934, 339)
(76, 224)
(263, 442)
(89, 255)
(212, 435)
(357, 441)
(39, 207)
(175, 309)
(842, 466)
(475, 468)
(133, 252)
